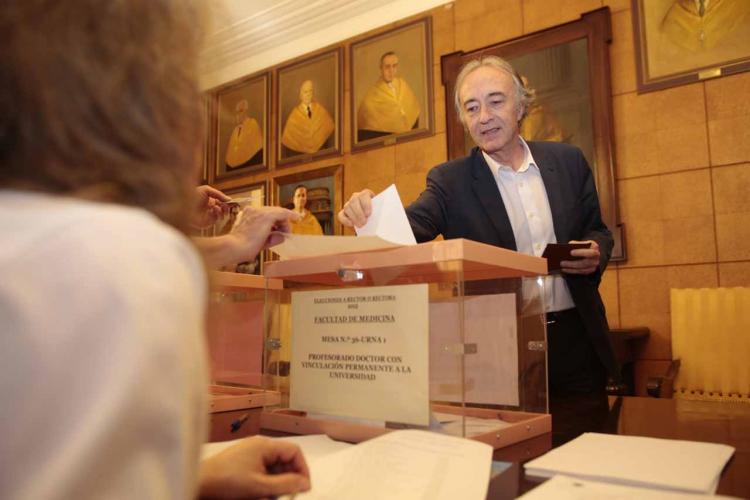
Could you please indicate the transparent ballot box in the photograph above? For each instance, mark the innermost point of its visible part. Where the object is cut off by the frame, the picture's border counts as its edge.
(448, 336)
(235, 346)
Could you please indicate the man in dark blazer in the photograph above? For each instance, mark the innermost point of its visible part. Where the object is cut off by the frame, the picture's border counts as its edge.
(521, 196)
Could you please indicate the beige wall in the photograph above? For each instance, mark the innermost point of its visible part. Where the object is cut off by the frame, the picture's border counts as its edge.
(682, 162)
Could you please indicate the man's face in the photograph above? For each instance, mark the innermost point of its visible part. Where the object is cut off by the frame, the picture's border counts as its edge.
(389, 67)
(240, 112)
(490, 108)
(306, 92)
(300, 198)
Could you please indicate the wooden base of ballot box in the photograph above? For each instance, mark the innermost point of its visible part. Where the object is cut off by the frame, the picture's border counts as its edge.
(236, 411)
(512, 426)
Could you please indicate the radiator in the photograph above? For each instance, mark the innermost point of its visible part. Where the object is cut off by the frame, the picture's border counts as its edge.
(711, 337)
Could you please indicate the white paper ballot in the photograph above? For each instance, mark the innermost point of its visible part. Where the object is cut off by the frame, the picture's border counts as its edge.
(388, 219)
(568, 488)
(404, 464)
(670, 464)
(296, 246)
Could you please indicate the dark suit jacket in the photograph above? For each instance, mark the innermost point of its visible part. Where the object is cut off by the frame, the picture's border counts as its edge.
(462, 201)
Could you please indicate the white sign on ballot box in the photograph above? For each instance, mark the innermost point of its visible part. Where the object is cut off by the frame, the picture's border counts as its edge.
(362, 352)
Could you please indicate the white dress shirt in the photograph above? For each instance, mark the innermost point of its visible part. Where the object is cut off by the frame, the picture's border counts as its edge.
(525, 200)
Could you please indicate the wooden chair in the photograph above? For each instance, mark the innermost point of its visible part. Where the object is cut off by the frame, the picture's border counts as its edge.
(710, 346)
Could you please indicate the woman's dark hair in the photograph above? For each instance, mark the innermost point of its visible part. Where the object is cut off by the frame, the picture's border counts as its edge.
(99, 100)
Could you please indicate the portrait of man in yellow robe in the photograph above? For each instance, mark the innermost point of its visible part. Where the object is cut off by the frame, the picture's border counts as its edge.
(245, 145)
(390, 105)
(309, 125)
(691, 34)
(540, 123)
(704, 24)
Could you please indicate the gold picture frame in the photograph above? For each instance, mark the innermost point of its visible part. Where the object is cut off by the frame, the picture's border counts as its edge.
(241, 127)
(252, 195)
(391, 86)
(205, 172)
(684, 41)
(308, 108)
(325, 188)
(568, 65)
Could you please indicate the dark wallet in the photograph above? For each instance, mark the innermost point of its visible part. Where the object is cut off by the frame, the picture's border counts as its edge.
(557, 252)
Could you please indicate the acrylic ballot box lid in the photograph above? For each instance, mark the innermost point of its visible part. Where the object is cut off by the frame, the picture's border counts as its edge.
(420, 263)
(226, 280)
(472, 294)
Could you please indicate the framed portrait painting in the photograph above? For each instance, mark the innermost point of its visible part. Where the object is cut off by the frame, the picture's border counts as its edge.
(205, 150)
(241, 127)
(253, 195)
(391, 78)
(316, 195)
(567, 67)
(309, 108)
(684, 41)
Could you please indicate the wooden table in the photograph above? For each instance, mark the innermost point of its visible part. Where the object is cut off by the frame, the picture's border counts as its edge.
(727, 423)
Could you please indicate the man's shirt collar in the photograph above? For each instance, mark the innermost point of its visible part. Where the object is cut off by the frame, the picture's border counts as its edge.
(528, 161)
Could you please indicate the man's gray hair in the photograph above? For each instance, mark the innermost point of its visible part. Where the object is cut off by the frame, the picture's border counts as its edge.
(524, 94)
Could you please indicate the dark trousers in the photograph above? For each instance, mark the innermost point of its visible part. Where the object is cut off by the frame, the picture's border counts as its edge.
(573, 365)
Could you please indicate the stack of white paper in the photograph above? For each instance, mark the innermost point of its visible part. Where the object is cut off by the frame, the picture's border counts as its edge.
(404, 464)
(313, 447)
(399, 464)
(568, 488)
(668, 464)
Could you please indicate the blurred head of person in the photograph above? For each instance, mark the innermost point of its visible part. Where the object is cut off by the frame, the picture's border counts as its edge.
(100, 101)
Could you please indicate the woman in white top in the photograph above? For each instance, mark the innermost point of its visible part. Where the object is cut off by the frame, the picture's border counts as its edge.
(102, 296)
